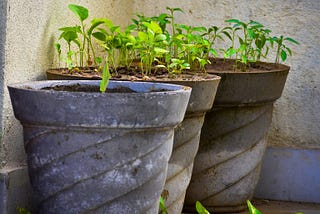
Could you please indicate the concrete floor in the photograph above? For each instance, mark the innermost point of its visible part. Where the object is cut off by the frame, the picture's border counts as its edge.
(280, 207)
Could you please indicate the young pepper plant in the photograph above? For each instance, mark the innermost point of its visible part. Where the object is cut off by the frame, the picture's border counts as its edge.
(151, 44)
(82, 14)
(192, 46)
(81, 37)
(282, 50)
(252, 42)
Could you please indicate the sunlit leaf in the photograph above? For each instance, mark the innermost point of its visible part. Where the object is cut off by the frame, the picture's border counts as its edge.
(283, 55)
(105, 78)
(80, 11)
(292, 40)
(201, 209)
(252, 209)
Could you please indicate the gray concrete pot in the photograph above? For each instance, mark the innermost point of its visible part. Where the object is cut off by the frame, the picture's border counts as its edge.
(186, 141)
(95, 152)
(186, 136)
(233, 140)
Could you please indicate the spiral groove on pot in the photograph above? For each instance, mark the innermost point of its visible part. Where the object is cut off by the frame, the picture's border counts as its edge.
(237, 144)
(125, 164)
(185, 147)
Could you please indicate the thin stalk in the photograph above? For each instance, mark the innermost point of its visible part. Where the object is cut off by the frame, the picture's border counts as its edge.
(83, 45)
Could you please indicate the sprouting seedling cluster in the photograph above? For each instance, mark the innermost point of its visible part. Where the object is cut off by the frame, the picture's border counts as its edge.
(159, 42)
(252, 41)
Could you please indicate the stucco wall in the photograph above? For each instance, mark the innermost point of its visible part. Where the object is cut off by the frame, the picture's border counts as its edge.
(31, 31)
(296, 118)
(3, 22)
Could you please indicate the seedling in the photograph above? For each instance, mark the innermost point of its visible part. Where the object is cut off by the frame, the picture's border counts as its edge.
(252, 209)
(81, 37)
(151, 45)
(254, 43)
(201, 209)
(282, 49)
(162, 206)
(105, 78)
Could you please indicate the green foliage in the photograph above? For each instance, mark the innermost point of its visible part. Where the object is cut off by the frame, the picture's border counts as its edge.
(161, 43)
(151, 45)
(80, 11)
(201, 209)
(252, 209)
(162, 206)
(79, 36)
(23, 211)
(254, 42)
(105, 78)
(282, 50)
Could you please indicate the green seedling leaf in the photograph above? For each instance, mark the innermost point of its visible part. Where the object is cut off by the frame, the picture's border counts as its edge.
(233, 21)
(58, 48)
(283, 55)
(252, 34)
(160, 37)
(292, 40)
(230, 52)
(153, 26)
(201, 209)
(75, 29)
(115, 29)
(23, 211)
(252, 209)
(69, 36)
(162, 206)
(160, 50)
(244, 59)
(96, 22)
(257, 24)
(288, 50)
(100, 36)
(227, 35)
(174, 9)
(213, 52)
(199, 29)
(98, 60)
(105, 78)
(143, 36)
(80, 11)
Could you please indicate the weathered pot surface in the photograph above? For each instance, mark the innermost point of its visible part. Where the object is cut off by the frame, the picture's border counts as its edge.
(252, 87)
(98, 152)
(186, 140)
(233, 139)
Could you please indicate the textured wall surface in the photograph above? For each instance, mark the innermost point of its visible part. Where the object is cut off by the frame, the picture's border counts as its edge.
(31, 31)
(296, 118)
(3, 16)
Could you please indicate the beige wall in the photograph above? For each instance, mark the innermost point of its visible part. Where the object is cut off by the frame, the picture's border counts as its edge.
(296, 118)
(31, 29)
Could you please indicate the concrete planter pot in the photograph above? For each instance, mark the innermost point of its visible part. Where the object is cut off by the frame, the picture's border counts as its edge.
(186, 135)
(186, 141)
(233, 140)
(95, 152)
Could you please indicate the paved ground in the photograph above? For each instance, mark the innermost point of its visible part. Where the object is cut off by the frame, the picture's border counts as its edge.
(278, 207)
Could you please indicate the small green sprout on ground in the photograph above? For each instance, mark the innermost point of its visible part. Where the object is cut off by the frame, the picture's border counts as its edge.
(162, 206)
(201, 209)
(23, 211)
(252, 209)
